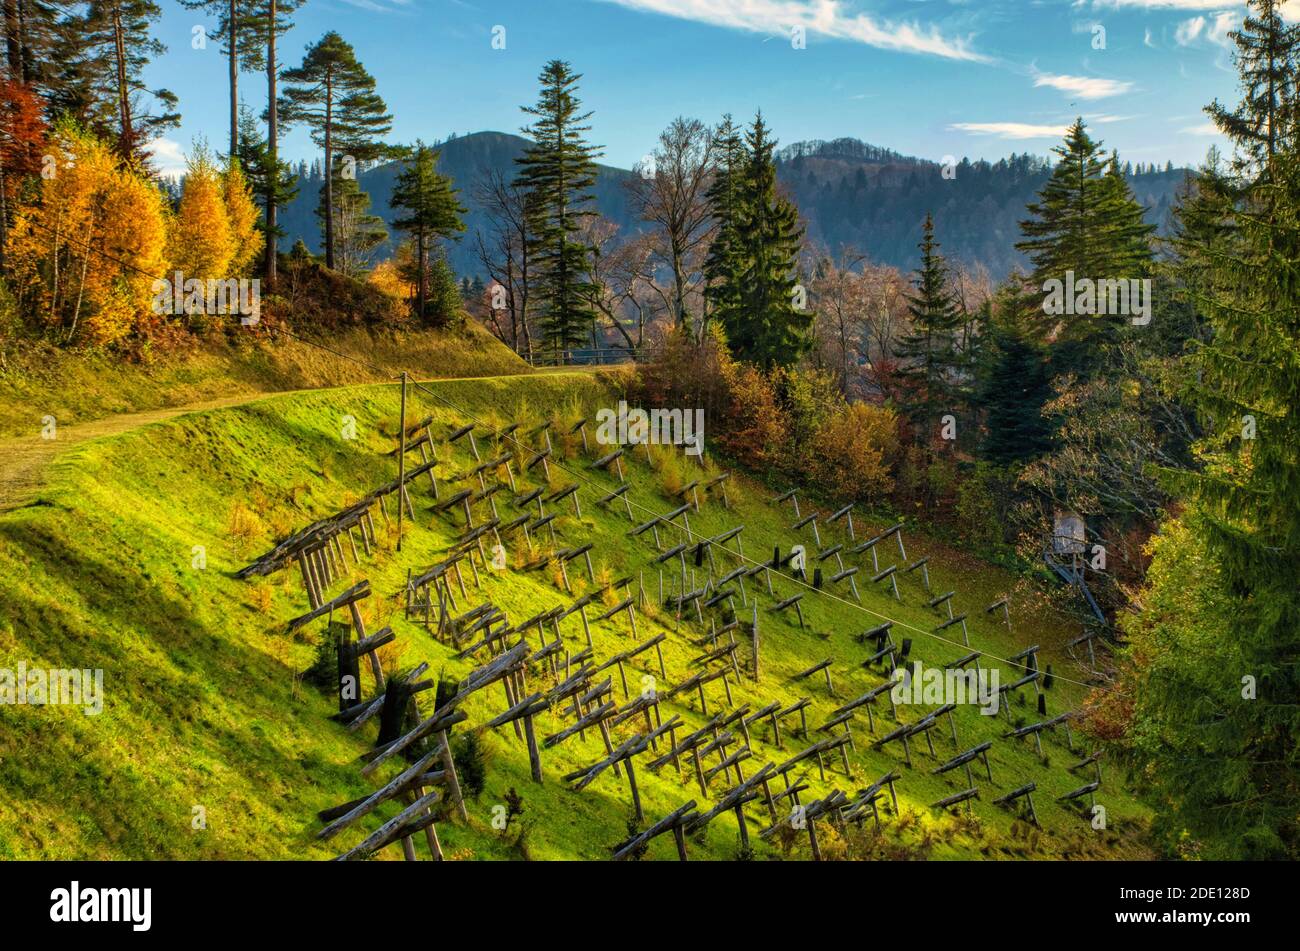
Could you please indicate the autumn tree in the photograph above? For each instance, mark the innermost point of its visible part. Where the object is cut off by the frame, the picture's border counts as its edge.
(87, 248)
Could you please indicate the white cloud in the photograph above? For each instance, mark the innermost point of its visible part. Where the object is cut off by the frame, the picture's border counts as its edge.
(168, 156)
(1011, 130)
(1170, 4)
(1085, 87)
(1215, 29)
(1189, 30)
(1205, 128)
(819, 17)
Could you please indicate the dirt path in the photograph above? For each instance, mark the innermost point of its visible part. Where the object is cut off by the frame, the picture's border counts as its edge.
(23, 459)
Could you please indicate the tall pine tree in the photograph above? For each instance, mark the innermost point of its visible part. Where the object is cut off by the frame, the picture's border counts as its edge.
(557, 172)
(768, 323)
(334, 95)
(929, 357)
(723, 266)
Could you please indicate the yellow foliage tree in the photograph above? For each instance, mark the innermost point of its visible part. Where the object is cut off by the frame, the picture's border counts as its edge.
(86, 249)
(853, 451)
(242, 212)
(202, 243)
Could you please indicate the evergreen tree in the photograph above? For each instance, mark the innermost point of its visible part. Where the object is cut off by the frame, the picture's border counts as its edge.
(928, 353)
(1264, 122)
(768, 326)
(557, 172)
(723, 266)
(431, 210)
(1216, 724)
(272, 20)
(1012, 381)
(332, 93)
(124, 30)
(279, 188)
(1085, 223)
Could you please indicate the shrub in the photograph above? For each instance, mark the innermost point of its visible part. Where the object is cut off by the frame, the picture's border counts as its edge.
(853, 451)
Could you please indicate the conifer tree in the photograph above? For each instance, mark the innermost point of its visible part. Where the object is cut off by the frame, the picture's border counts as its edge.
(124, 30)
(557, 172)
(357, 232)
(723, 267)
(272, 21)
(332, 93)
(1013, 384)
(768, 326)
(1216, 728)
(276, 189)
(430, 209)
(928, 353)
(1085, 223)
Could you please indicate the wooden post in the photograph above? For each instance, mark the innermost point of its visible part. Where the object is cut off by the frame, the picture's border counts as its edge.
(401, 466)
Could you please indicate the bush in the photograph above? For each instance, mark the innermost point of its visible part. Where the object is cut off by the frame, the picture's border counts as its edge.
(853, 452)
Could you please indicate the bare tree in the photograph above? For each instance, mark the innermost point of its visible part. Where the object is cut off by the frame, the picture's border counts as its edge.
(504, 255)
(669, 191)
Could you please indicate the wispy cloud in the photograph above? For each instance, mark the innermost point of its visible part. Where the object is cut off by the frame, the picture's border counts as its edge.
(830, 18)
(1212, 29)
(1011, 130)
(1085, 87)
(1205, 128)
(1167, 4)
(168, 156)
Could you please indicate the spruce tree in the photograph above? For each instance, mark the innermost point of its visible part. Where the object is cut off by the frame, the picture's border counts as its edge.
(334, 95)
(928, 352)
(1086, 223)
(723, 266)
(768, 326)
(1012, 381)
(237, 26)
(271, 21)
(1217, 730)
(557, 172)
(429, 211)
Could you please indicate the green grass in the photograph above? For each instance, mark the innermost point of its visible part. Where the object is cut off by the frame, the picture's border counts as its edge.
(203, 707)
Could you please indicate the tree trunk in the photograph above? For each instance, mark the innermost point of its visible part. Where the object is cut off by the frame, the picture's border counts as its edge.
(272, 151)
(126, 143)
(234, 79)
(329, 172)
(13, 43)
(421, 264)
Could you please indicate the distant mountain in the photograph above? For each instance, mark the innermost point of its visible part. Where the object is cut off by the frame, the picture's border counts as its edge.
(847, 191)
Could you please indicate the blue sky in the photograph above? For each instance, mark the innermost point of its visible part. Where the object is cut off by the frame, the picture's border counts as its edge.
(934, 78)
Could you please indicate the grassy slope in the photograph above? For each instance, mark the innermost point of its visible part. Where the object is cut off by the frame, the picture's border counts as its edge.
(202, 705)
(79, 387)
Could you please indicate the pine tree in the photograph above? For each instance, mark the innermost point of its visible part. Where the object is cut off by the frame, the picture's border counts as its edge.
(254, 159)
(723, 266)
(1264, 122)
(928, 353)
(271, 18)
(767, 326)
(557, 172)
(1086, 223)
(124, 29)
(1221, 740)
(432, 210)
(1012, 381)
(332, 93)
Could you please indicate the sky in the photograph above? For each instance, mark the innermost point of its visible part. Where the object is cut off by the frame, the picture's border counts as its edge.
(930, 78)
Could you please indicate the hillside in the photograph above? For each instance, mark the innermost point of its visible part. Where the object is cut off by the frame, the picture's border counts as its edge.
(206, 713)
(847, 192)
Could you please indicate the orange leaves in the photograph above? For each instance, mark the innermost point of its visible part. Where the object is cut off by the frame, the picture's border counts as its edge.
(86, 248)
(202, 245)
